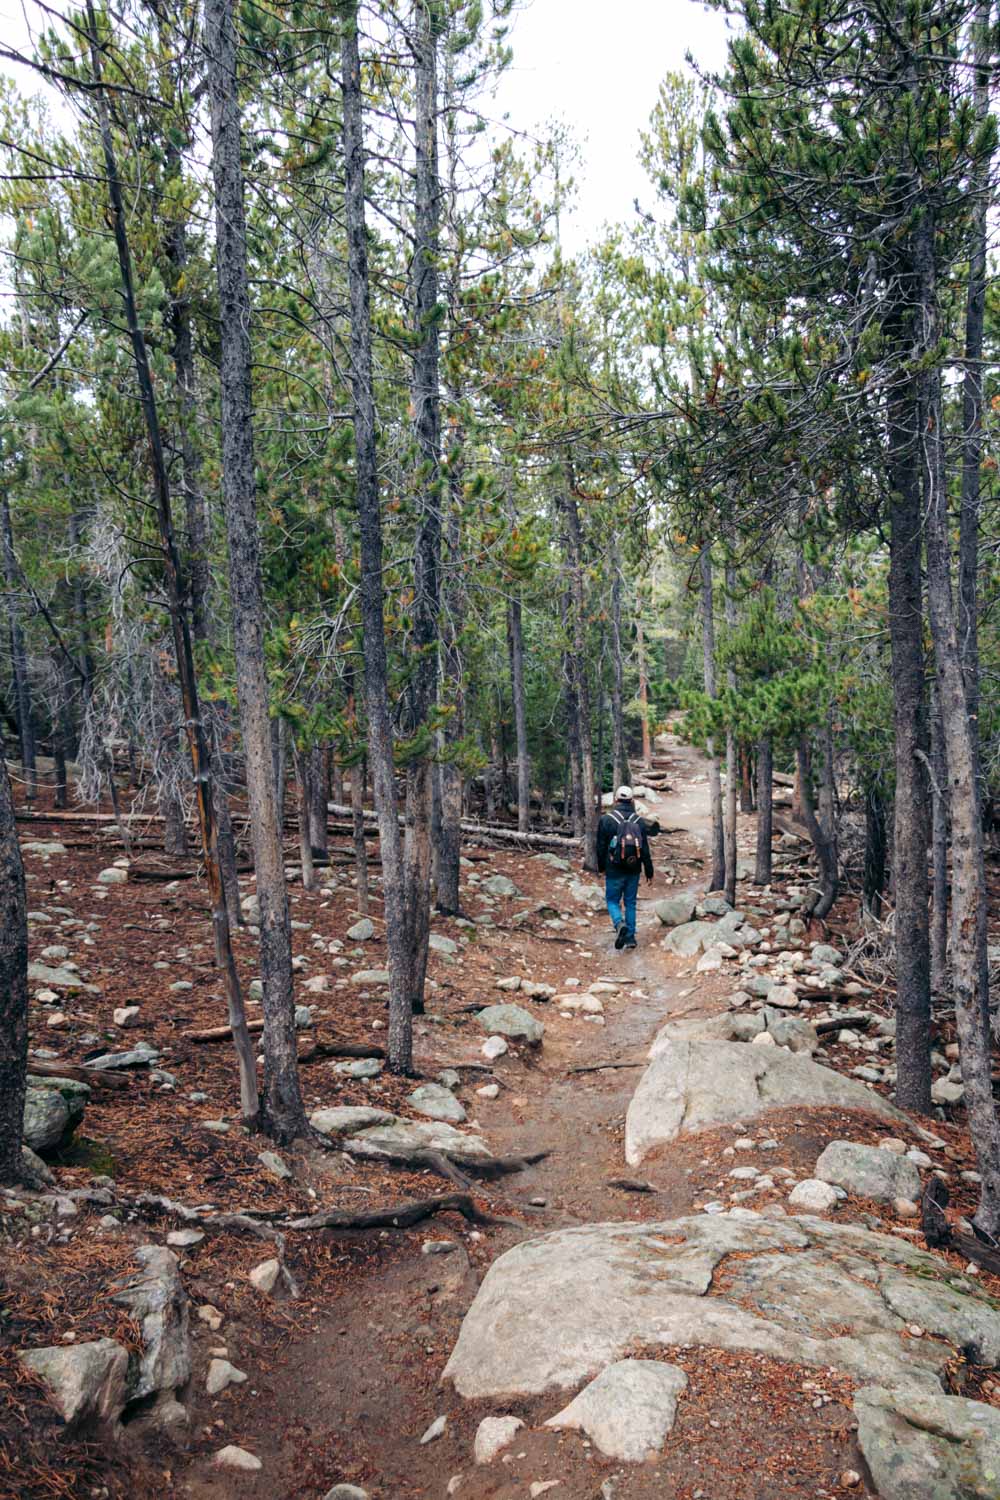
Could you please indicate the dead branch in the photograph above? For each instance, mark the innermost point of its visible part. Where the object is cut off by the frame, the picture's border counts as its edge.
(403, 1215)
(603, 1067)
(940, 1233)
(96, 1077)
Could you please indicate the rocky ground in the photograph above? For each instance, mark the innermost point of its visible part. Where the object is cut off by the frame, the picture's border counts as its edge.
(712, 1284)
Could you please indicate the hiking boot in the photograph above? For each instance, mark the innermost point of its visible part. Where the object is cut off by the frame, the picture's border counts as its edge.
(630, 942)
(622, 937)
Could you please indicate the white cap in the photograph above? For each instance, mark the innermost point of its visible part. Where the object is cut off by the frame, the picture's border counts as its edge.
(624, 794)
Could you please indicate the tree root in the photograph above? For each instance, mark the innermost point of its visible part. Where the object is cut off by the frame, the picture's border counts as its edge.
(242, 1223)
(404, 1215)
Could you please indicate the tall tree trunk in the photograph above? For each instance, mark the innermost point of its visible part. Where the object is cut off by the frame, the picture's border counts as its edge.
(319, 792)
(708, 666)
(19, 656)
(640, 646)
(13, 988)
(358, 832)
(822, 843)
(732, 766)
(746, 779)
(619, 752)
(583, 736)
(873, 888)
(376, 670)
(571, 708)
(303, 790)
(939, 851)
(515, 648)
(179, 624)
(284, 1116)
(765, 811)
(909, 839)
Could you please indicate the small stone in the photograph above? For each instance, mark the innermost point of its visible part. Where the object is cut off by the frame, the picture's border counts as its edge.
(510, 984)
(222, 1374)
(184, 1239)
(272, 1162)
(500, 885)
(905, 1208)
(439, 943)
(763, 1039)
(494, 1047)
(346, 1492)
(435, 1430)
(493, 1435)
(814, 1196)
(438, 1247)
(360, 1067)
(232, 1457)
(303, 1016)
(850, 1479)
(112, 876)
(362, 932)
(782, 996)
(542, 1487)
(894, 1144)
(511, 1021)
(210, 1315)
(265, 1276)
(489, 1091)
(127, 1016)
(437, 1103)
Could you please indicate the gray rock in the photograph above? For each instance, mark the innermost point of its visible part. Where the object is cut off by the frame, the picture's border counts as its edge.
(690, 1085)
(824, 954)
(265, 1276)
(494, 1047)
(232, 1457)
(437, 1102)
(588, 895)
(402, 1140)
(363, 931)
(348, 1119)
(434, 1431)
(793, 1032)
(868, 1172)
(43, 847)
(438, 942)
(675, 911)
(628, 1410)
(813, 1196)
(185, 1239)
(222, 1374)
(303, 1016)
(272, 1163)
(500, 885)
(691, 938)
(359, 1067)
(86, 1382)
(376, 978)
(46, 1119)
(802, 1289)
(928, 1447)
(346, 1492)
(113, 875)
(142, 1055)
(783, 996)
(946, 1091)
(34, 1165)
(60, 979)
(449, 1078)
(511, 1021)
(159, 1304)
(716, 906)
(493, 1435)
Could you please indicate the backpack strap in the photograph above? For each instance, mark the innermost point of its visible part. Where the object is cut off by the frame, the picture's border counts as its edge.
(620, 818)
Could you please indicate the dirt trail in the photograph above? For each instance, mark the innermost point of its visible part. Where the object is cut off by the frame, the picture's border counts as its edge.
(349, 1401)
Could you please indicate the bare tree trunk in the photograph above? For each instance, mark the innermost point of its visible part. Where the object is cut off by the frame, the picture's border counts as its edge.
(358, 830)
(19, 656)
(283, 1113)
(380, 739)
(746, 779)
(939, 851)
(732, 767)
(13, 987)
(640, 644)
(303, 799)
(515, 645)
(319, 793)
(875, 852)
(909, 840)
(821, 842)
(714, 778)
(578, 666)
(765, 811)
(175, 840)
(619, 753)
(180, 629)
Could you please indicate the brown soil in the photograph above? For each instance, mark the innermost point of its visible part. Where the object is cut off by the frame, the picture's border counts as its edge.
(343, 1381)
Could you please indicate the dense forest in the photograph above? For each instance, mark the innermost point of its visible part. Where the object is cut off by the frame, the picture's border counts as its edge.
(348, 525)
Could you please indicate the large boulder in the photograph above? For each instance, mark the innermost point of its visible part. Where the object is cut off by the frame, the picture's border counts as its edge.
(691, 938)
(86, 1382)
(690, 1085)
(513, 1021)
(158, 1302)
(628, 1410)
(869, 1172)
(556, 1310)
(677, 910)
(500, 885)
(46, 1119)
(922, 1446)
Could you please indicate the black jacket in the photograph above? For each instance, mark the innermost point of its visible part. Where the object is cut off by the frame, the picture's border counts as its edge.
(609, 826)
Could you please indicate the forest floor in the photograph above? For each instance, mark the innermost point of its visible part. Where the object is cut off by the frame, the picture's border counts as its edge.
(344, 1380)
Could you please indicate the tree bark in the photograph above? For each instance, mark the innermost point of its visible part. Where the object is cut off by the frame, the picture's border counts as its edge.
(13, 987)
(875, 852)
(303, 791)
(821, 841)
(640, 646)
(708, 661)
(939, 851)
(583, 736)
(179, 624)
(319, 793)
(19, 655)
(380, 744)
(765, 810)
(732, 766)
(909, 843)
(515, 649)
(619, 749)
(283, 1113)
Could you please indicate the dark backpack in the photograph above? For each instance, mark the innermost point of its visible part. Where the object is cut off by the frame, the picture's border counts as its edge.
(625, 848)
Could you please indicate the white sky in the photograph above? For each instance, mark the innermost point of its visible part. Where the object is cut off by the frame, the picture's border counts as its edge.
(597, 65)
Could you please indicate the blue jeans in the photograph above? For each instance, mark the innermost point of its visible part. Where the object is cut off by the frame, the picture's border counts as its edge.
(617, 888)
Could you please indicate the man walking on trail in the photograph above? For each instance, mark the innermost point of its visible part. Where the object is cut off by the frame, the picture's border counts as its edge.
(622, 855)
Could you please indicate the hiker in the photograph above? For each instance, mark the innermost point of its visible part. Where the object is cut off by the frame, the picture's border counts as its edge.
(622, 855)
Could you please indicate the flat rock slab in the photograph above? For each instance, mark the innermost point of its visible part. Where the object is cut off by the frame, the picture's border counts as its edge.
(60, 979)
(556, 1310)
(929, 1447)
(86, 1382)
(512, 1021)
(628, 1410)
(693, 1085)
(869, 1172)
(437, 1102)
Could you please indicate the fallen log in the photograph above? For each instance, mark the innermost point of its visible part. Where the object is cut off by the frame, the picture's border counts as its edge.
(96, 1077)
(941, 1234)
(473, 829)
(631, 1185)
(219, 1033)
(340, 1049)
